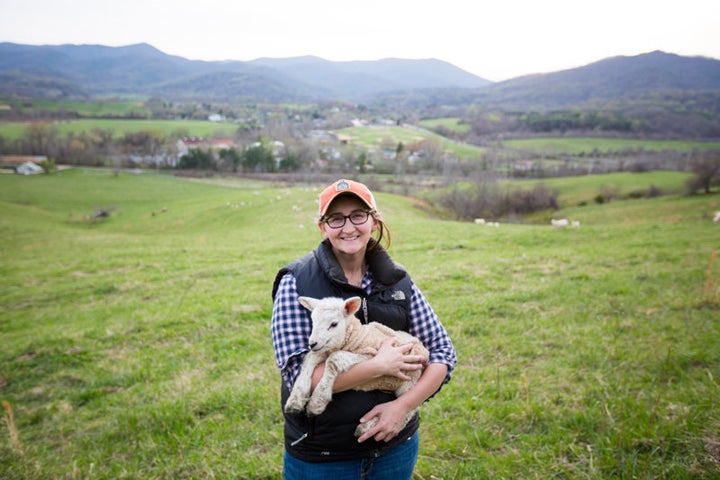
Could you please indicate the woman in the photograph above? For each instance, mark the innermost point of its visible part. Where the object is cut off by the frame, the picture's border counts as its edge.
(349, 262)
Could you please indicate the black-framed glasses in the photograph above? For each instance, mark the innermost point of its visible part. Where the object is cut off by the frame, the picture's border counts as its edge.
(358, 217)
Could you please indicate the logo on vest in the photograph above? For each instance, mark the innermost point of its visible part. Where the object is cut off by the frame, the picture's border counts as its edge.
(398, 295)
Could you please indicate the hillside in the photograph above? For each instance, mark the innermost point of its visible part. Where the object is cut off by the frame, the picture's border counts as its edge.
(646, 79)
(72, 71)
(138, 346)
(366, 78)
(88, 70)
(612, 78)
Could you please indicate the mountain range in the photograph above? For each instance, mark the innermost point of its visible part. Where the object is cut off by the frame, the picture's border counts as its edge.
(87, 71)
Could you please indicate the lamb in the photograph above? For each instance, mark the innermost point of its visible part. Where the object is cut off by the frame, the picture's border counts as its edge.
(339, 339)
(716, 216)
(562, 223)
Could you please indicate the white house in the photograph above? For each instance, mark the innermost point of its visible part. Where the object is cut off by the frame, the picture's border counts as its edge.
(28, 168)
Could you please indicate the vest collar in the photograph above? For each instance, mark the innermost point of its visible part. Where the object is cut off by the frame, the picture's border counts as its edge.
(383, 269)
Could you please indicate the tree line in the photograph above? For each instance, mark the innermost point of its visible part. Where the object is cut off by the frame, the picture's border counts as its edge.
(255, 153)
(102, 147)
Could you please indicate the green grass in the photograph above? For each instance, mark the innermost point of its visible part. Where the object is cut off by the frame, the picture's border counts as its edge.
(139, 346)
(92, 109)
(587, 145)
(583, 190)
(200, 128)
(574, 190)
(389, 137)
(451, 123)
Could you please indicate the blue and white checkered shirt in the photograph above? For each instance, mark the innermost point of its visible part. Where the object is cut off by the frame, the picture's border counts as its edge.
(291, 328)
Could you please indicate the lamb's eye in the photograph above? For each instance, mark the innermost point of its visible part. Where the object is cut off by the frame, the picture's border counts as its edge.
(333, 325)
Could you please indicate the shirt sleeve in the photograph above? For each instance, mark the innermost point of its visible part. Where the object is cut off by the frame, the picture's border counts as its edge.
(426, 326)
(290, 328)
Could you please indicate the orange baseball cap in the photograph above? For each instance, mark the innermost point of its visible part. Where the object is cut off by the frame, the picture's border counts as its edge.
(342, 187)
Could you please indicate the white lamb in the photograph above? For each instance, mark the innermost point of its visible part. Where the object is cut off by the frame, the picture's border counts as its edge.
(716, 217)
(562, 223)
(339, 339)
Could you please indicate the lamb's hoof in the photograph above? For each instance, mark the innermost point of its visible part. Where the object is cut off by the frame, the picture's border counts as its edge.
(295, 405)
(316, 406)
(364, 427)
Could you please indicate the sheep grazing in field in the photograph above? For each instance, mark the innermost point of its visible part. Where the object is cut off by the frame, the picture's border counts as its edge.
(339, 339)
(716, 217)
(562, 223)
(575, 224)
(482, 221)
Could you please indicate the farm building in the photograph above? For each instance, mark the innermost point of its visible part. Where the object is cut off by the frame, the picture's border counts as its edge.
(29, 163)
(184, 145)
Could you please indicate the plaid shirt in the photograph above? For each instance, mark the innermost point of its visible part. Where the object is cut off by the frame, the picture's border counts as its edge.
(291, 328)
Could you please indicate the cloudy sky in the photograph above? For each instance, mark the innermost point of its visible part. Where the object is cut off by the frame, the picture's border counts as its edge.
(497, 39)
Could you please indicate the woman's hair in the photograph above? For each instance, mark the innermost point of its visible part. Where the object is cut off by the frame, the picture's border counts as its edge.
(383, 232)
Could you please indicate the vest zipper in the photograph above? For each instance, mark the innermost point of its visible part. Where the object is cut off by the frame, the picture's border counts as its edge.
(365, 310)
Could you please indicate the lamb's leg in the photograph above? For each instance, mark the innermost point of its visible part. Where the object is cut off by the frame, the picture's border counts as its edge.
(364, 427)
(336, 363)
(303, 383)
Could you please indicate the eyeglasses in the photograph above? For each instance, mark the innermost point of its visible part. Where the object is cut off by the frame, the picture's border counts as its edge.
(358, 217)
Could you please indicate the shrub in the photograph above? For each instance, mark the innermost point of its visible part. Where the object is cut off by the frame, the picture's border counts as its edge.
(523, 202)
(48, 165)
(654, 192)
(486, 200)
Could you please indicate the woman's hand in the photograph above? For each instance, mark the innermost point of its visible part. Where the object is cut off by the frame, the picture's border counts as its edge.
(389, 360)
(389, 418)
(392, 359)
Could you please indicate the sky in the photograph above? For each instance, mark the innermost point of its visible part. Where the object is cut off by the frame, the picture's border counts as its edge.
(496, 40)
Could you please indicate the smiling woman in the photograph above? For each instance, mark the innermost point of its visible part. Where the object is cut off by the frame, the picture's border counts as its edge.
(351, 262)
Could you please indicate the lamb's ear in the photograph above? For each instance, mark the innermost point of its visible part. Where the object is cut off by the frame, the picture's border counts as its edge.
(308, 302)
(352, 305)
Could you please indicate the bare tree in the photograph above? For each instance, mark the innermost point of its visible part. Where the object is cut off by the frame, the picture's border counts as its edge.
(707, 172)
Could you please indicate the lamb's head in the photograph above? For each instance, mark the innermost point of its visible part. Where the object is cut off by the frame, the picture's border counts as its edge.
(329, 319)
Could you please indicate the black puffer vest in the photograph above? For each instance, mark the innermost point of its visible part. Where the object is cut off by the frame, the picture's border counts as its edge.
(330, 436)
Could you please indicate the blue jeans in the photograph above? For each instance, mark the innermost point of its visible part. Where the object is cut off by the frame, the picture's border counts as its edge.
(397, 464)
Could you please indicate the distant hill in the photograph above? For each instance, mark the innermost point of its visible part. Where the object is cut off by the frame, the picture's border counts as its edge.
(367, 78)
(88, 70)
(622, 83)
(612, 78)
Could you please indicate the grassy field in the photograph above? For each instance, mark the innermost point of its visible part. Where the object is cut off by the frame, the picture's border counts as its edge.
(451, 123)
(92, 109)
(199, 128)
(389, 137)
(138, 346)
(575, 190)
(578, 145)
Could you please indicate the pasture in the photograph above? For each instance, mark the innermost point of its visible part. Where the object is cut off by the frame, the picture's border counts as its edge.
(107, 108)
(453, 124)
(388, 137)
(138, 345)
(576, 190)
(589, 145)
(200, 128)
